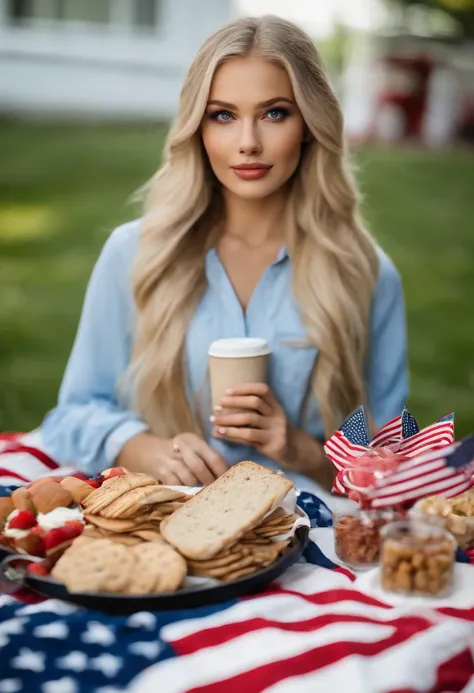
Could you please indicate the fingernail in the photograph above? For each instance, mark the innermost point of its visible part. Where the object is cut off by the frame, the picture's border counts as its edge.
(212, 419)
(229, 392)
(218, 407)
(221, 430)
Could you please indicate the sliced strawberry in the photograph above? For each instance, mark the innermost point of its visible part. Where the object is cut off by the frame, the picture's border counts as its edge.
(39, 531)
(32, 544)
(113, 471)
(73, 529)
(24, 519)
(93, 483)
(37, 569)
(55, 537)
(59, 549)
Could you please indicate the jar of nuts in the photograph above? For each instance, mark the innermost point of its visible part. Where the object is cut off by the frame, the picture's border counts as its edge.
(357, 538)
(417, 558)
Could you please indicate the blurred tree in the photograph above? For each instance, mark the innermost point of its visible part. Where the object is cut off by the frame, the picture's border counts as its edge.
(460, 10)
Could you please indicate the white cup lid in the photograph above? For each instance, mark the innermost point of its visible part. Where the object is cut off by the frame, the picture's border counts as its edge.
(239, 347)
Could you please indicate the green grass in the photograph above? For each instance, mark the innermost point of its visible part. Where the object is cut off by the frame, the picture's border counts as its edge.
(63, 188)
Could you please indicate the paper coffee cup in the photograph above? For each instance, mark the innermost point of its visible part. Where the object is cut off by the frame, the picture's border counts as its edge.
(234, 362)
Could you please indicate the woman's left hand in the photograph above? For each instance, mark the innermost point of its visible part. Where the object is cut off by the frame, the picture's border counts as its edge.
(263, 425)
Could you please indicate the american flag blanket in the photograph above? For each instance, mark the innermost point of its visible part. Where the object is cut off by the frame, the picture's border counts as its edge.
(314, 631)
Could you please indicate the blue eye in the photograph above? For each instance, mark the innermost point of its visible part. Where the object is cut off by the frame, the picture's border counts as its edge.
(221, 116)
(276, 113)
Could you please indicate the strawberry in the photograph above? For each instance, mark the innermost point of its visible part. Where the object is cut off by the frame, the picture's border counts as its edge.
(93, 483)
(113, 471)
(32, 544)
(24, 519)
(37, 529)
(54, 537)
(59, 535)
(37, 569)
(73, 529)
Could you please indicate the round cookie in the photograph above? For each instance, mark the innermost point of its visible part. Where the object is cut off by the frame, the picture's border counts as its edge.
(167, 565)
(95, 566)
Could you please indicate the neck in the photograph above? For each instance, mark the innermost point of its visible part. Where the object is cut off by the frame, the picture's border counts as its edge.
(256, 222)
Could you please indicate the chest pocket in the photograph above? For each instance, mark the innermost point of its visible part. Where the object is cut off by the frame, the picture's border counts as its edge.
(291, 366)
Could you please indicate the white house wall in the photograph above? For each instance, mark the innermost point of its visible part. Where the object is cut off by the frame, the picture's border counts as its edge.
(88, 70)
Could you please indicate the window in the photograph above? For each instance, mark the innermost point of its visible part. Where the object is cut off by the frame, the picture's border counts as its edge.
(144, 13)
(93, 11)
(135, 14)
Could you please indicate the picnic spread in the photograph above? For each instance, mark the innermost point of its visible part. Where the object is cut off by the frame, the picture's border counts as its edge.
(122, 583)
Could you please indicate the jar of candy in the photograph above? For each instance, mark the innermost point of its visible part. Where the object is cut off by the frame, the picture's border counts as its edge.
(417, 558)
(357, 538)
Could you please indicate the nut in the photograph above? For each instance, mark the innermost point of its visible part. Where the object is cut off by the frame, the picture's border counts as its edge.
(414, 564)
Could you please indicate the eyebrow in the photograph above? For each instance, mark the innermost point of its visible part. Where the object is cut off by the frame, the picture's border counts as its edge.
(262, 104)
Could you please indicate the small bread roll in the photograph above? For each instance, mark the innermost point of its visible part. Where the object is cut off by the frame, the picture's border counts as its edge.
(48, 496)
(77, 488)
(21, 499)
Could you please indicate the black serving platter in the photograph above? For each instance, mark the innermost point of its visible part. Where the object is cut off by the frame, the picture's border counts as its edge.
(5, 553)
(14, 578)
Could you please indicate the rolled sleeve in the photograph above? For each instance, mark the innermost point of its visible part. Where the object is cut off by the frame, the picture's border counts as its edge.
(387, 365)
(89, 427)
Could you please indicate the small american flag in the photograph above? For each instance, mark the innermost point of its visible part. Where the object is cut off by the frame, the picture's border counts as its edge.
(401, 436)
(447, 472)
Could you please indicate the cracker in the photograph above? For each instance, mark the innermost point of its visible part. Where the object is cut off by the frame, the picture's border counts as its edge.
(215, 562)
(168, 566)
(113, 488)
(143, 577)
(95, 566)
(230, 577)
(223, 570)
(275, 516)
(115, 525)
(131, 502)
(275, 532)
(126, 539)
(261, 540)
(148, 535)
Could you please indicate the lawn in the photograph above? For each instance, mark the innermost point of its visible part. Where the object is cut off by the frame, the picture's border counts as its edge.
(63, 188)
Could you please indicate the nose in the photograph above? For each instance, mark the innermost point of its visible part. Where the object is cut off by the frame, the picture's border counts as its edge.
(250, 143)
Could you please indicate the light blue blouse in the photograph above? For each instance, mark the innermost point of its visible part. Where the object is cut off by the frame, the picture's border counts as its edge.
(89, 426)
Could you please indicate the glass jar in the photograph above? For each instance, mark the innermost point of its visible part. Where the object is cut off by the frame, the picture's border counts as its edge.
(357, 538)
(454, 514)
(417, 558)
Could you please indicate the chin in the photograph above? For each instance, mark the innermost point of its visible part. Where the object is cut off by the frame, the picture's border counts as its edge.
(253, 190)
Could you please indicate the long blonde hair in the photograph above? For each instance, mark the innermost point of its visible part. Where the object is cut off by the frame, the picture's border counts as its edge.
(334, 260)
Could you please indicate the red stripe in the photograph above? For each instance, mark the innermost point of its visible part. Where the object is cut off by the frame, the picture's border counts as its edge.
(212, 637)
(34, 452)
(263, 677)
(13, 475)
(453, 675)
(337, 595)
(10, 436)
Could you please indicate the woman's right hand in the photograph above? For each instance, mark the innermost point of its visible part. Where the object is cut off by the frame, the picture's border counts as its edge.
(185, 460)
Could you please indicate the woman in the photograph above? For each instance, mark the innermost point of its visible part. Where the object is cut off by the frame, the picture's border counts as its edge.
(251, 229)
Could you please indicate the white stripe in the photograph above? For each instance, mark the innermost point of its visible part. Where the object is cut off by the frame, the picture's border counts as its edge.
(387, 432)
(415, 481)
(10, 481)
(249, 651)
(426, 491)
(413, 665)
(22, 463)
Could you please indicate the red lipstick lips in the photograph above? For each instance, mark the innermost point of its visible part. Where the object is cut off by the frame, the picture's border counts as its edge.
(252, 171)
